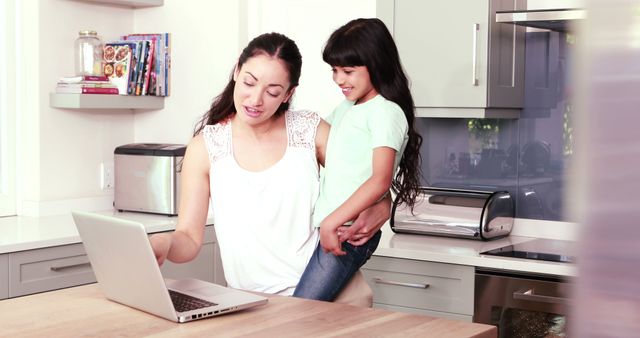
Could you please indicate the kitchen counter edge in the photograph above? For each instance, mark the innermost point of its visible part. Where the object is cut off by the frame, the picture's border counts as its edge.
(20, 233)
(28, 233)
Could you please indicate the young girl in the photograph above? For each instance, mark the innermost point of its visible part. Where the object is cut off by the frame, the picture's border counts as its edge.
(372, 147)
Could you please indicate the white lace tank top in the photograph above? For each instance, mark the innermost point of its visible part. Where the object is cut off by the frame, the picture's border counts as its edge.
(263, 219)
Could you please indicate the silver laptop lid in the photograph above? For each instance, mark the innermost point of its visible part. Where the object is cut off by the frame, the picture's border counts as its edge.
(126, 270)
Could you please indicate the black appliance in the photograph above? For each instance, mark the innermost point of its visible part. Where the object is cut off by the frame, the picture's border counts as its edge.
(522, 305)
(539, 249)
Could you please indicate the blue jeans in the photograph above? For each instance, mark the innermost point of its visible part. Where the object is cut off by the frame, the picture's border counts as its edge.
(326, 274)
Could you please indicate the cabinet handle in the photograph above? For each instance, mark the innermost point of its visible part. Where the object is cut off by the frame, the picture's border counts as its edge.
(530, 296)
(474, 80)
(71, 266)
(411, 285)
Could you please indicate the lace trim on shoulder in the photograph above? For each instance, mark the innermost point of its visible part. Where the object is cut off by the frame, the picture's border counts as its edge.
(217, 138)
(301, 128)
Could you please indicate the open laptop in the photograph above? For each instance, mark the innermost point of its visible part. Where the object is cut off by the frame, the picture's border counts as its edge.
(128, 273)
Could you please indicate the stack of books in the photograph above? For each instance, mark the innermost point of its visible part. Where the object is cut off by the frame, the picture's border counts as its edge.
(139, 64)
(86, 85)
(136, 64)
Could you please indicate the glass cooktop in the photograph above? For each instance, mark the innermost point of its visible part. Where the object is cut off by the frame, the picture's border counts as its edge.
(539, 249)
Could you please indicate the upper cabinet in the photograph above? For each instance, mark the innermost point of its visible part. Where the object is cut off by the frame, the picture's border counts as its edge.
(460, 62)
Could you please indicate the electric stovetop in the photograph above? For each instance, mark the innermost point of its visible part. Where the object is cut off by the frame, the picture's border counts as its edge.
(539, 249)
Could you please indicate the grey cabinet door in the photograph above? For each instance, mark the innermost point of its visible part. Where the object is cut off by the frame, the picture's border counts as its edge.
(32, 271)
(420, 286)
(438, 43)
(4, 276)
(456, 55)
(47, 269)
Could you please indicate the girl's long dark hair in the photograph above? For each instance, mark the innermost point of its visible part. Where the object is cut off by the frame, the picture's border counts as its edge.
(272, 44)
(368, 42)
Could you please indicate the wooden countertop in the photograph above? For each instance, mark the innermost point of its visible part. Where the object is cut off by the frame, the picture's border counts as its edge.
(83, 311)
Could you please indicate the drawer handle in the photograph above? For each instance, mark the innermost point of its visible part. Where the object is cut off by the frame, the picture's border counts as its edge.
(411, 285)
(529, 295)
(65, 267)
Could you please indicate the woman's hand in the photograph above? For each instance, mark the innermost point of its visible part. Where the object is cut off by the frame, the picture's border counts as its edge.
(160, 243)
(369, 221)
(329, 240)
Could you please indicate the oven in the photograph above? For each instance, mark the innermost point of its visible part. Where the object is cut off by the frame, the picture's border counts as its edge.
(522, 305)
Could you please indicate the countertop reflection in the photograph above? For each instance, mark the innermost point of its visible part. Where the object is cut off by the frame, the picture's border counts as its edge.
(465, 252)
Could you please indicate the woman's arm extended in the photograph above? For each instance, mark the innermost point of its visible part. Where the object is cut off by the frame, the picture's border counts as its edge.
(183, 244)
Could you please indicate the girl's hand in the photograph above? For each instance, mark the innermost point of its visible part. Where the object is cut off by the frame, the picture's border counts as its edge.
(160, 244)
(330, 242)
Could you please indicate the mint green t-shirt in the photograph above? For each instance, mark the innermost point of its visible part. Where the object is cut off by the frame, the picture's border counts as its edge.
(355, 131)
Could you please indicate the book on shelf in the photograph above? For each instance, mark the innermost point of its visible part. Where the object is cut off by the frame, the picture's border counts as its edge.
(86, 85)
(84, 79)
(167, 64)
(155, 63)
(142, 62)
(151, 61)
(144, 67)
(86, 90)
(148, 68)
(119, 60)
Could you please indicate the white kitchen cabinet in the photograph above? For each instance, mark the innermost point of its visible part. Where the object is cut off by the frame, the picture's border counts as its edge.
(435, 289)
(52, 268)
(4, 276)
(460, 62)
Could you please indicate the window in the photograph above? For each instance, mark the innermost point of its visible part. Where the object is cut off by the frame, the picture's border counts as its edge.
(7, 108)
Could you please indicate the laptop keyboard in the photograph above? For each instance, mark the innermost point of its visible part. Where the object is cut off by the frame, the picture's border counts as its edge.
(182, 302)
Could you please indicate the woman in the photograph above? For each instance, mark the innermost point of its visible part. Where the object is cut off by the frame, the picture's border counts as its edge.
(257, 162)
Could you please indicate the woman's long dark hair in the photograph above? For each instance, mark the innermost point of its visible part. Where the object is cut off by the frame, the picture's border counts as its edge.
(272, 44)
(368, 42)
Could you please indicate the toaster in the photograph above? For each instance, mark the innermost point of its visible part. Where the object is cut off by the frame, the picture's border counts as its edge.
(147, 177)
(471, 214)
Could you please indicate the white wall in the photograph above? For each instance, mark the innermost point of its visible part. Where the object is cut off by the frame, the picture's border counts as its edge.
(60, 150)
(203, 52)
(309, 23)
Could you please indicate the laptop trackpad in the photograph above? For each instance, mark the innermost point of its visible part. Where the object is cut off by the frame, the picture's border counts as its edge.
(196, 286)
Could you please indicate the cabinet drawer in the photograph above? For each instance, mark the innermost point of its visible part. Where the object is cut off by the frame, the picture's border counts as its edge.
(48, 269)
(421, 285)
(4, 276)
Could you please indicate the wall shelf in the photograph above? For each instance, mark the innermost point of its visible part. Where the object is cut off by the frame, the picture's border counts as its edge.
(131, 3)
(99, 101)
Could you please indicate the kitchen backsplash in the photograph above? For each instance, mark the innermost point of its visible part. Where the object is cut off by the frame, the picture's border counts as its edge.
(528, 156)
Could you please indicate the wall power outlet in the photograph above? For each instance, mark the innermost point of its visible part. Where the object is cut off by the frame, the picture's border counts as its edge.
(106, 176)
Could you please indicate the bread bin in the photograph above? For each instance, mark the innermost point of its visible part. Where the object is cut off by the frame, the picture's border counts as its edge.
(147, 177)
(470, 214)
